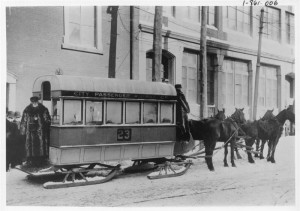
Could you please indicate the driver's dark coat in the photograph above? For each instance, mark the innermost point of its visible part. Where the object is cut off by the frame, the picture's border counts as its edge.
(182, 109)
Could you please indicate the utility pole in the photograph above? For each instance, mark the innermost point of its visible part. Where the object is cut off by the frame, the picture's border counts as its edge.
(203, 64)
(157, 41)
(256, 88)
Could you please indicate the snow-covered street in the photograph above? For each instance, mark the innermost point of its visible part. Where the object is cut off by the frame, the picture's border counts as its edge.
(262, 183)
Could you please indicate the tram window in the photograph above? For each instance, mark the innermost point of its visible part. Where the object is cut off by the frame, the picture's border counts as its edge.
(55, 111)
(132, 113)
(114, 112)
(94, 112)
(150, 113)
(72, 112)
(166, 113)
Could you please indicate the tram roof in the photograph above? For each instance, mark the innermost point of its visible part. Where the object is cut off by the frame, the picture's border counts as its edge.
(96, 84)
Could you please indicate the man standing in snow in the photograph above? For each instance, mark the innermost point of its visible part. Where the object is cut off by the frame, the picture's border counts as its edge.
(35, 125)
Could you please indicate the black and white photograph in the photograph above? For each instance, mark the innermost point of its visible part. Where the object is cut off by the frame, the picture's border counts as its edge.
(149, 104)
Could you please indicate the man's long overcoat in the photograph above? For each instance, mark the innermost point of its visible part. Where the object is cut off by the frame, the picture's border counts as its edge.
(35, 125)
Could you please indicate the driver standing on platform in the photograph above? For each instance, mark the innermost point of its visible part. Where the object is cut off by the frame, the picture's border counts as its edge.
(182, 109)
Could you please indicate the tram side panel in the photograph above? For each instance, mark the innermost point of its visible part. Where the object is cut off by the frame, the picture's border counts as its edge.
(83, 145)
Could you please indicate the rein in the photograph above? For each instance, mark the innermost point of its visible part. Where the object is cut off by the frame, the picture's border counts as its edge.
(239, 128)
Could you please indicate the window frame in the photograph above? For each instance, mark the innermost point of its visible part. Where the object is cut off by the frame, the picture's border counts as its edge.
(266, 90)
(234, 72)
(98, 49)
(81, 110)
(197, 67)
(93, 100)
(290, 33)
(59, 107)
(214, 15)
(227, 19)
(269, 27)
(160, 113)
(140, 113)
(171, 12)
(122, 112)
(157, 113)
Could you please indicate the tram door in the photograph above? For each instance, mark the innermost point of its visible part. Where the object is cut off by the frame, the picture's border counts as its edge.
(46, 96)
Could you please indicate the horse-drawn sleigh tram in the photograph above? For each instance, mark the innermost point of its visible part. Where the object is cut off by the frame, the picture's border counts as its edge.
(97, 123)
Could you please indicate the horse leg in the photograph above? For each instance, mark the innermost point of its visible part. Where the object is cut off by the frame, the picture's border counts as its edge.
(249, 143)
(225, 155)
(232, 148)
(270, 145)
(273, 149)
(262, 149)
(208, 156)
(257, 147)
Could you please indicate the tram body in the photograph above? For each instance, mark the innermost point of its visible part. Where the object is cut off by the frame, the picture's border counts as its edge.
(97, 120)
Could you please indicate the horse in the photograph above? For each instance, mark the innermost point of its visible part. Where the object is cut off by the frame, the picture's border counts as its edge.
(212, 130)
(229, 133)
(268, 115)
(251, 130)
(221, 116)
(272, 129)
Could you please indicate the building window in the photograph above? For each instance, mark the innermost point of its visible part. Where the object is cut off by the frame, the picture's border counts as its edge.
(211, 16)
(194, 14)
(267, 96)
(166, 68)
(290, 28)
(235, 83)
(271, 28)
(190, 76)
(83, 29)
(72, 112)
(169, 10)
(237, 18)
(94, 110)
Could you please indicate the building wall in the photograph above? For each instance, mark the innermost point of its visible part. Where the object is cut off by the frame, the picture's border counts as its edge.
(34, 48)
(184, 34)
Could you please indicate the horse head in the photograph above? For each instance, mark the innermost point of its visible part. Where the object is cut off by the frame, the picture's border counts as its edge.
(290, 115)
(220, 115)
(239, 116)
(268, 115)
(286, 114)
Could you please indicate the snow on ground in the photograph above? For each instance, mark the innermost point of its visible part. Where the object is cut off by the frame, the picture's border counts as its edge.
(261, 183)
